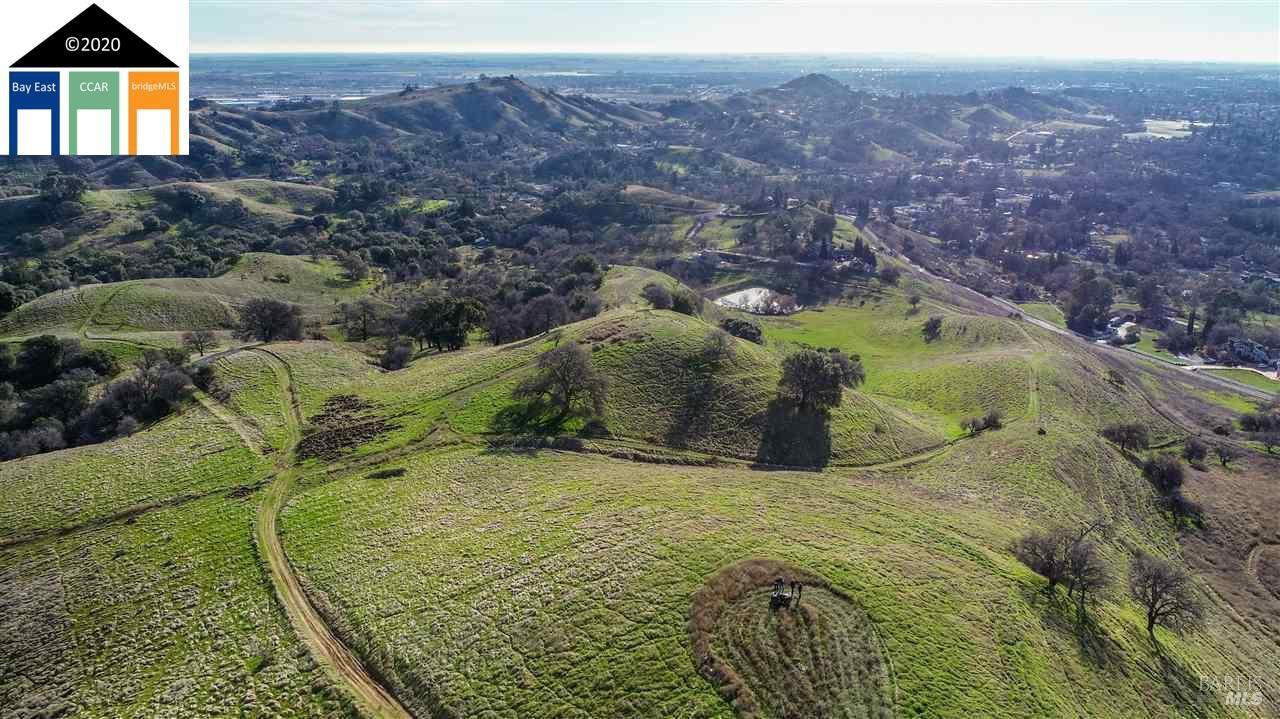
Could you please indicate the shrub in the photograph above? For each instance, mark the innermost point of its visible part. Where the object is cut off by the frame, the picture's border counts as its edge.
(687, 302)
(1193, 450)
(658, 296)
(396, 357)
(1129, 436)
(932, 329)
(743, 329)
(1164, 472)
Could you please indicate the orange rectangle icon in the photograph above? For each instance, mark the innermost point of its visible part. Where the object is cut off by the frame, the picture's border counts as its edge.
(153, 113)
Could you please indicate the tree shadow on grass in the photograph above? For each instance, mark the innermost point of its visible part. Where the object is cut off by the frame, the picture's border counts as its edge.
(1186, 687)
(527, 418)
(795, 437)
(1059, 614)
(693, 417)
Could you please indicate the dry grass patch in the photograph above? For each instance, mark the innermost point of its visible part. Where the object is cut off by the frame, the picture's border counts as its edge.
(819, 658)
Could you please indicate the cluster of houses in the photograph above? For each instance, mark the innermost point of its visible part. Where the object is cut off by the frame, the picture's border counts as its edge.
(1246, 351)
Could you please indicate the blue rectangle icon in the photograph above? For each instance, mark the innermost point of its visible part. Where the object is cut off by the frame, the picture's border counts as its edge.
(31, 95)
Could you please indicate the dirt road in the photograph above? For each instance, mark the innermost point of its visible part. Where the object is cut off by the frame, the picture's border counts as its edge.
(327, 649)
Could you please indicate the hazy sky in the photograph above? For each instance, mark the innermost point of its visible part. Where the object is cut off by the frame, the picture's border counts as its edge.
(1223, 30)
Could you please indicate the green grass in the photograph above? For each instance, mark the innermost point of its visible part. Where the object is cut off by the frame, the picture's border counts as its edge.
(425, 205)
(191, 453)
(484, 582)
(643, 195)
(169, 614)
(251, 388)
(577, 572)
(1146, 344)
(1231, 401)
(623, 286)
(1045, 311)
(186, 303)
(721, 233)
(1249, 377)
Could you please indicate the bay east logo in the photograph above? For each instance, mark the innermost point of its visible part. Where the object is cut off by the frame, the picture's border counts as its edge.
(111, 78)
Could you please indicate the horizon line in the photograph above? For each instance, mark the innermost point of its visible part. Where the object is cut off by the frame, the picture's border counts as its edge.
(745, 53)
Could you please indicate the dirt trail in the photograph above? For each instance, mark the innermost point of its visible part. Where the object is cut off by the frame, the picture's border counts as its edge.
(311, 627)
(250, 435)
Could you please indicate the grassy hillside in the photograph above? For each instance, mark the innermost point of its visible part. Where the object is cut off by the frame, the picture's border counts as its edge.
(624, 285)
(498, 104)
(192, 454)
(579, 571)
(185, 303)
(476, 577)
(643, 195)
(115, 216)
(164, 615)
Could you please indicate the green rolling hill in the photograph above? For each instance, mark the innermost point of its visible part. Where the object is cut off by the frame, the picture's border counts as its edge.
(478, 566)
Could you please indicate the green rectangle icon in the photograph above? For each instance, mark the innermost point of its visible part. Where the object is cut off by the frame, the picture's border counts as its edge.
(93, 109)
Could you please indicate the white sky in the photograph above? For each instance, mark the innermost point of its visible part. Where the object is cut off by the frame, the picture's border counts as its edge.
(1224, 30)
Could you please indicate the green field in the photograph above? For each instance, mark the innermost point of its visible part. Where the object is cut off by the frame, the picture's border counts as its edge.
(1045, 311)
(578, 571)
(1249, 377)
(1146, 345)
(164, 615)
(475, 572)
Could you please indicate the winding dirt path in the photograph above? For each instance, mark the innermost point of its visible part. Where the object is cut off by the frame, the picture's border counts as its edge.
(311, 627)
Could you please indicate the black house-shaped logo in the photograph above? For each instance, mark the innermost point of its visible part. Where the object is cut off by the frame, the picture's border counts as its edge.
(60, 50)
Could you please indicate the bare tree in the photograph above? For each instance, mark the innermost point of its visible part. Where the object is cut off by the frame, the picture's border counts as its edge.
(1044, 552)
(1057, 556)
(1270, 440)
(268, 320)
(1086, 572)
(200, 341)
(1166, 592)
(363, 318)
(1164, 472)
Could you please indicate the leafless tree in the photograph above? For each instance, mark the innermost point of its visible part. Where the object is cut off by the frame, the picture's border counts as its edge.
(200, 341)
(1166, 592)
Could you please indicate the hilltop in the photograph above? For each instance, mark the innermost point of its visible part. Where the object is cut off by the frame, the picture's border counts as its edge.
(410, 508)
(157, 306)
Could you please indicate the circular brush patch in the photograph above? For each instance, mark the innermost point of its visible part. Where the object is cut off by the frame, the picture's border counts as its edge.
(811, 653)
